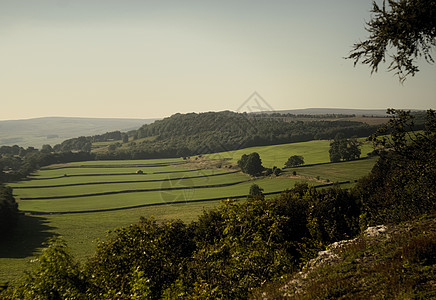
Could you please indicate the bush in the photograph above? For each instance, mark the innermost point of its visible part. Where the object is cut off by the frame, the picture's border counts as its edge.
(57, 276)
(142, 257)
(294, 161)
(255, 192)
(277, 171)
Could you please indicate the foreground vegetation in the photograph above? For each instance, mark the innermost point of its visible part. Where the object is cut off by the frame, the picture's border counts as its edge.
(235, 248)
(266, 237)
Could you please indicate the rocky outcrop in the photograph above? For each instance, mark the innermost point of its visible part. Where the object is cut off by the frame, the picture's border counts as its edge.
(383, 261)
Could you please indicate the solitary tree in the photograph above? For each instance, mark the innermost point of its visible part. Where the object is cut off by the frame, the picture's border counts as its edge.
(406, 27)
(251, 164)
(334, 152)
(351, 149)
(294, 161)
(255, 191)
(344, 149)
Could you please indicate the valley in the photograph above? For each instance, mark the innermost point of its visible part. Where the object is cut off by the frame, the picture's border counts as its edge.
(81, 201)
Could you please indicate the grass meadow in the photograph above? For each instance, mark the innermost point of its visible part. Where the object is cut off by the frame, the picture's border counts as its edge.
(314, 152)
(168, 189)
(338, 172)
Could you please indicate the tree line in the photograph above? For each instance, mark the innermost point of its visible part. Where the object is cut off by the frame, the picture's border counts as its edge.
(17, 162)
(84, 143)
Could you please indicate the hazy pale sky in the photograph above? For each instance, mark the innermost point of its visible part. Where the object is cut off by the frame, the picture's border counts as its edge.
(144, 59)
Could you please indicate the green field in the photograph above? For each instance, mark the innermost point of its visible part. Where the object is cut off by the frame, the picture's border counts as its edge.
(338, 172)
(314, 152)
(69, 200)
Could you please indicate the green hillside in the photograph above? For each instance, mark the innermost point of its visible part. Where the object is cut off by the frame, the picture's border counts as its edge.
(314, 152)
(212, 132)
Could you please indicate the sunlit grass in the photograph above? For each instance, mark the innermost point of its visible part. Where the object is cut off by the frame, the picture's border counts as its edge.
(343, 171)
(314, 152)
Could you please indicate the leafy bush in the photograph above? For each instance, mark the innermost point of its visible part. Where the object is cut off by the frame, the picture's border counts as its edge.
(255, 191)
(225, 254)
(57, 276)
(294, 161)
(142, 259)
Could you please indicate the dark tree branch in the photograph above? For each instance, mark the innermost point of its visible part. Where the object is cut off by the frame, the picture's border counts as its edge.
(403, 31)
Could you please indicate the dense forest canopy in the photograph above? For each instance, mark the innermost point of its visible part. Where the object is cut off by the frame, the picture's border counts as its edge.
(200, 133)
(236, 124)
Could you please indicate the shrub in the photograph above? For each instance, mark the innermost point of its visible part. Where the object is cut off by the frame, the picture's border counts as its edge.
(294, 161)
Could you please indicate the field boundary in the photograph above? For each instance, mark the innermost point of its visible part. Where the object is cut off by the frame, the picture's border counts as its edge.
(116, 166)
(328, 163)
(162, 203)
(116, 182)
(110, 174)
(136, 191)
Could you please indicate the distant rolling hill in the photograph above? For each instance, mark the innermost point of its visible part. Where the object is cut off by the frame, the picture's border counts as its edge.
(53, 130)
(330, 111)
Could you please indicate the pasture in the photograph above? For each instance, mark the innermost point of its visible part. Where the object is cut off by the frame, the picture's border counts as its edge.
(314, 152)
(337, 172)
(81, 201)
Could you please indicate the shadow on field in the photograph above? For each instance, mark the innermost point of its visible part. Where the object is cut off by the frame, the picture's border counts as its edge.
(28, 237)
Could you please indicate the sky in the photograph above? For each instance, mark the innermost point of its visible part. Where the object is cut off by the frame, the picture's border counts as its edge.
(151, 59)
